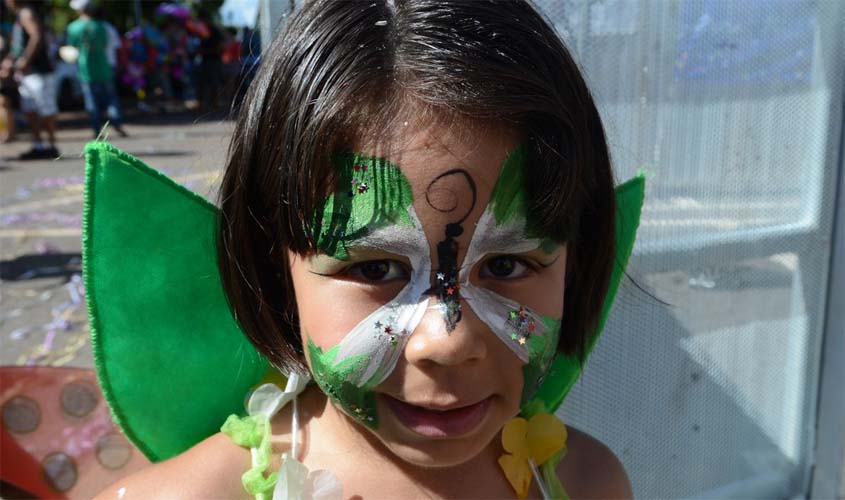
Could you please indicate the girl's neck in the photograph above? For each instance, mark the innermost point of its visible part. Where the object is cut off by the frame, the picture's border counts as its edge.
(331, 440)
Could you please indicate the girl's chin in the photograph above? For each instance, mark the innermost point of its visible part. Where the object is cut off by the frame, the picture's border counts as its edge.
(437, 439)
(434, 454)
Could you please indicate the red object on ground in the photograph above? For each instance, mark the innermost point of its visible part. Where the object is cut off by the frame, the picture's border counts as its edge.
(58, 440)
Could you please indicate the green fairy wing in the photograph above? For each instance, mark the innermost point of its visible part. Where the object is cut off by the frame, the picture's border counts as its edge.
(171, 360)
(565, 369)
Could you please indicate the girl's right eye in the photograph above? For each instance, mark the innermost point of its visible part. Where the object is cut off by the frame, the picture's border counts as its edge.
(377, 271)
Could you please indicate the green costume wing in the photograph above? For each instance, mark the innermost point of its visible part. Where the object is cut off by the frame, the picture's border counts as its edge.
(171, 360)
(565, 370)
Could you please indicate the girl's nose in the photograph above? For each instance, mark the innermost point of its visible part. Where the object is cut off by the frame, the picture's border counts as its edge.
(432, 344)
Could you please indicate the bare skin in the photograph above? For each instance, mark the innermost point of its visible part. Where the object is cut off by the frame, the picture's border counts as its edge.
(6, 66)
(212, 469)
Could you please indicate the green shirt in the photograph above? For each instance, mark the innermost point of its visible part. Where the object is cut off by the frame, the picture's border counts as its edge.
(91, 38)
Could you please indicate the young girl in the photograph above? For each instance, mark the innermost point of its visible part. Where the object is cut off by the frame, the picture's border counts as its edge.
(418, 215)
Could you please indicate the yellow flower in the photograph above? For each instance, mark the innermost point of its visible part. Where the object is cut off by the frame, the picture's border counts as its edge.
(537, 439)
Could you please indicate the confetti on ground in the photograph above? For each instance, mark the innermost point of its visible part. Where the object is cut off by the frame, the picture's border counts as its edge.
(64, 335)
(42, 218)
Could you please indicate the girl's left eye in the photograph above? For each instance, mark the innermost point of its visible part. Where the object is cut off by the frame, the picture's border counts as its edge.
(505, 267)
(377, 271)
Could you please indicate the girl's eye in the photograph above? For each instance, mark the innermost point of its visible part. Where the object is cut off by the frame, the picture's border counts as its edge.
(505, 267)
(377, 271)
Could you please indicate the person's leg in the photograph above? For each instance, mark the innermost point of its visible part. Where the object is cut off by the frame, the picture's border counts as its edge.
(113, 106)
(49, 123)
(7, 108)
(101, 97)
(48, 109)
(34, 122)
(91, 106)
(218, 83)
(29, 106)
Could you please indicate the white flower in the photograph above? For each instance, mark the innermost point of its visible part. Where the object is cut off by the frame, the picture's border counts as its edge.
(295, 482)
(268, 399)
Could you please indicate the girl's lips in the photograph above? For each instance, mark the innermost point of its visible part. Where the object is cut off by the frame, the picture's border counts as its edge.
(435, 423)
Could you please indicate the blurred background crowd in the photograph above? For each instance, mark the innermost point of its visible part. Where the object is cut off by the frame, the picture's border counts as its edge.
(114, 57)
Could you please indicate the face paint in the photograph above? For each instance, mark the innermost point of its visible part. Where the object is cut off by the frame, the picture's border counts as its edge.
(503, 229)
(377, 212)
(446, 286)
(379, 195)
(334, 380)
(541, 351)
(383, 218)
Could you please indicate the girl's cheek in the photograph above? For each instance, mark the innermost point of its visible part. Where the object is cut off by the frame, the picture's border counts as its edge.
(330, 308)
(543, 293)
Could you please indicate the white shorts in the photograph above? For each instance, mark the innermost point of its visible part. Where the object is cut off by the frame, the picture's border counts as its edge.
(38, 94)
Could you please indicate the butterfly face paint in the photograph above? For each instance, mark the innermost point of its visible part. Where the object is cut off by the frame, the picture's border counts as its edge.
(373, 208)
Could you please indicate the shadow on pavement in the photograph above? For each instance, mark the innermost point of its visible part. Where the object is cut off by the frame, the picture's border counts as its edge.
(49, 265)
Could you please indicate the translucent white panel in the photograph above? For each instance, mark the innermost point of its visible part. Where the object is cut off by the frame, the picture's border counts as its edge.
(733, 109)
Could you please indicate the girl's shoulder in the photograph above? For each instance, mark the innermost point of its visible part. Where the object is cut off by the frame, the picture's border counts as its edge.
(591, 470)
(210, 469)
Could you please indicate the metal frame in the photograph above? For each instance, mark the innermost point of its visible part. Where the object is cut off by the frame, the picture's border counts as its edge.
(828, 480)
(271, 13)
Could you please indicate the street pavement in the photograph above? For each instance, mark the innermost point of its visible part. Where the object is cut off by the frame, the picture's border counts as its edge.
(42, 312)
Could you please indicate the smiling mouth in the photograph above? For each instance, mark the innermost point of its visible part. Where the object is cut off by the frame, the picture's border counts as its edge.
(439, 423)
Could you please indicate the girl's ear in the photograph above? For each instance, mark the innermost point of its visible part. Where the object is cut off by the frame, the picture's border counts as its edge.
(565, 369)
(171, 359)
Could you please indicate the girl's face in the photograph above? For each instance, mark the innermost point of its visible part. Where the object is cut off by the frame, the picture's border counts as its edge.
(432, 312)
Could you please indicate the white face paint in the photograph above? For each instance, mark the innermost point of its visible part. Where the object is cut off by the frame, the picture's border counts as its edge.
(381, 337)
(493, 309)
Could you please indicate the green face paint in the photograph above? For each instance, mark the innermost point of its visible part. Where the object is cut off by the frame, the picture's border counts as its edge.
(508, 200)
(371, 193)
(333, 379)
(541, 351)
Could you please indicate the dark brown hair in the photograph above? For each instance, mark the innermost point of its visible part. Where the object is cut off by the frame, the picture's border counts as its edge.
(342, 70)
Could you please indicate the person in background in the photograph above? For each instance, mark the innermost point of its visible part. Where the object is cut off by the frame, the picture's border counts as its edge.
(113, 49)
(90, 37)
(250, 60)
(36, 82)
(179, 90)
(210, 74)
(9, 98)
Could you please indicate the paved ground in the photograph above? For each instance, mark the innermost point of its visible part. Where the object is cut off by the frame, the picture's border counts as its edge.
(42, 311)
